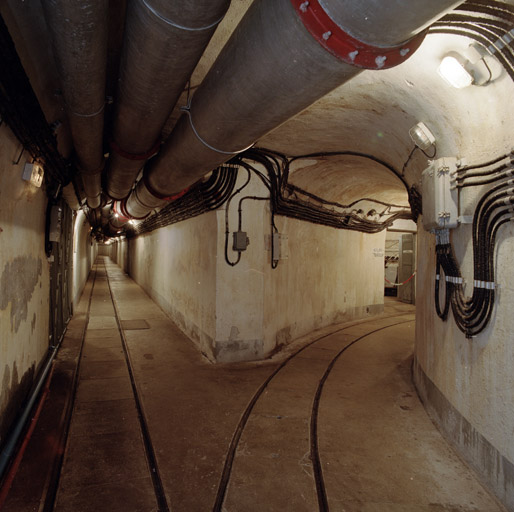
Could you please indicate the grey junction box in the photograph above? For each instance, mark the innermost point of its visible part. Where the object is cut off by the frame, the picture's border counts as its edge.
(440, 198)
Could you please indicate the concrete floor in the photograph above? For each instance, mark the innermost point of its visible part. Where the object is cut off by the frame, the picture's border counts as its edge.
(378, 450)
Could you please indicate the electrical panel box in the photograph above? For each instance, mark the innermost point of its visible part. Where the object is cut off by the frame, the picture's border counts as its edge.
(279, 246)
(440, 195)
(240, 241)
(55, 224)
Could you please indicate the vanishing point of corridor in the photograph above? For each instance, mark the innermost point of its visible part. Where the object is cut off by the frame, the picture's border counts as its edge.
(333, 423)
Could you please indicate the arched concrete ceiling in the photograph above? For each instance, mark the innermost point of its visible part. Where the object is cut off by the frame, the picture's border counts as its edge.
(372, 114)
(345, 179)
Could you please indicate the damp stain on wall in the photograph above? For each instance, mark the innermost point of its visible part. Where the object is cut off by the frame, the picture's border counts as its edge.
(17, 283)
(13, 393)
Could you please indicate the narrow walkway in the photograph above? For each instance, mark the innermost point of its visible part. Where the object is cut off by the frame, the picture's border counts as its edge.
(333, 424)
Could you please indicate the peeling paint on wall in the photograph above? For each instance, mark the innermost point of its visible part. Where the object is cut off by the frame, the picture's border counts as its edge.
(17, 284)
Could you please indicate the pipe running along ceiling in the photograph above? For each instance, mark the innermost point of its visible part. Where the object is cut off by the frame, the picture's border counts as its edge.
(281, 81)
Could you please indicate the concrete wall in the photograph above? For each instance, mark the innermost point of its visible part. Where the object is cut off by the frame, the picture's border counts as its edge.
(118, 252)
(24, 281)
(84, 254)
(249, 310)
(104, 250)
(468, 384)
(176, 266)
(325, 276)
(330, 276)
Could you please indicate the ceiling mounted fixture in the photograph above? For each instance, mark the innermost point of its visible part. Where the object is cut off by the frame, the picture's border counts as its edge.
(453, 69)
(422, 136)
(471, 68)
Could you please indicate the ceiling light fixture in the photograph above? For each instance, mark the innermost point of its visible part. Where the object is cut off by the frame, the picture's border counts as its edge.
(454, 69)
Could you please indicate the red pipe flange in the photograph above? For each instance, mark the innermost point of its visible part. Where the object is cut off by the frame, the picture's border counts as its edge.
(347, 48)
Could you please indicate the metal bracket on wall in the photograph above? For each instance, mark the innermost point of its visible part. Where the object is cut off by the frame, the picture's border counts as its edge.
(17, 161)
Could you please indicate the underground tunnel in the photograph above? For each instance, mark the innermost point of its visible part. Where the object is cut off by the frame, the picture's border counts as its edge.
(254, 255)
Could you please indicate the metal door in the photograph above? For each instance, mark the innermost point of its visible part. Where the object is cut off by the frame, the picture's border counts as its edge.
(406, 268)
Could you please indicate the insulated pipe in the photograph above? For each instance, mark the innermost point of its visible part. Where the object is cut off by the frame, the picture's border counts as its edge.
(105, 215)
(79, 37)
(283, 56)
(163, 40)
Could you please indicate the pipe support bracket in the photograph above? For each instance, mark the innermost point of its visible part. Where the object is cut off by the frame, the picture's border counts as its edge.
(78, 114)
(176, 25)
(347, 48)
(135, 156)
(187, 110)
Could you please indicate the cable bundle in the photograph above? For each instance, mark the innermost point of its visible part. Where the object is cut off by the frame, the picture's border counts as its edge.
(495, 208)
(202, 197)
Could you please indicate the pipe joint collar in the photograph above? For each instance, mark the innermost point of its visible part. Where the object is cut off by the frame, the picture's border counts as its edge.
(125, 213)
(347, 48)
(157, 195)
(135, 156)
(120, 212)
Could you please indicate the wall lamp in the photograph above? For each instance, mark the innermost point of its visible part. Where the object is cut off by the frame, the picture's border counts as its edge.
(33, 173)
(422, 136)
(464, 70)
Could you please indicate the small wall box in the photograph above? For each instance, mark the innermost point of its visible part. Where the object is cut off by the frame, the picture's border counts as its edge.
(33, 173)
(440, 199)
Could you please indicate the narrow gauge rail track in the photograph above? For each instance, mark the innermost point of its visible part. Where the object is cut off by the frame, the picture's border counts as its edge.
(147, 441)
(51, 492)
(314, 448)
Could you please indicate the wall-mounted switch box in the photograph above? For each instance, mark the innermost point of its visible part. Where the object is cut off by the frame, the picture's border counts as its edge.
(240, 241)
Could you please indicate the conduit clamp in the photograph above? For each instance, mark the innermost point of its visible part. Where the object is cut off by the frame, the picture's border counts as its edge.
(157, 195)
(176, 25)
(187, 110)
(454, 279)
(347, 48)
(487, 285)
(135, 156)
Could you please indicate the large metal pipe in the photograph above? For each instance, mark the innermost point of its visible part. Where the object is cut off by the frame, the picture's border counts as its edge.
(163, 40)
(283, 56)
(79, 39)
